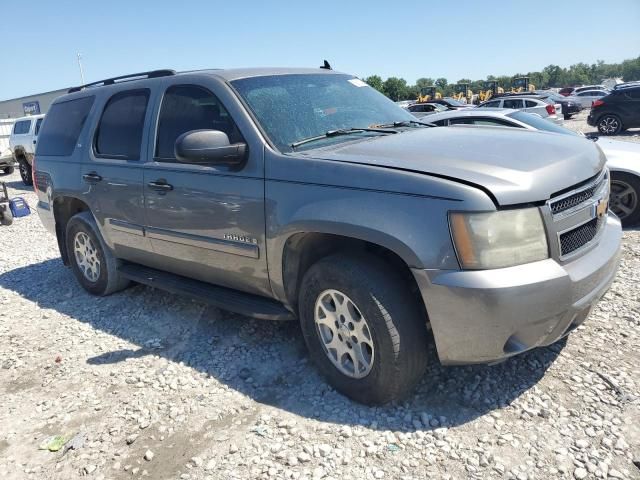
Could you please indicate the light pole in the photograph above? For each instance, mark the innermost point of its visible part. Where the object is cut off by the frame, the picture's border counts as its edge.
(80, 66)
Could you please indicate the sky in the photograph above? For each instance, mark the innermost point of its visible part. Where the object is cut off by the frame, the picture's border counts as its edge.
(409, 39)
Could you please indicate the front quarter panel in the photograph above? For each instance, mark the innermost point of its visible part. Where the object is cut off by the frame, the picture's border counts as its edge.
(403, 211)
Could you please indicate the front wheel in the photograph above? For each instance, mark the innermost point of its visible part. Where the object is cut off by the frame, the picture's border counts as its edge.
(8, 170)
(363, 328)
(609, 125)
(624, 199)
(25, 172)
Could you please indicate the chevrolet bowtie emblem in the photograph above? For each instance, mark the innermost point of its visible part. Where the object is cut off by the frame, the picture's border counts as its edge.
(601, 208)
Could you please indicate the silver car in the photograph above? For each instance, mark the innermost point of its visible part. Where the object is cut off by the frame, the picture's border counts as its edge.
(546, 109)
(587, 97)
(623, 158)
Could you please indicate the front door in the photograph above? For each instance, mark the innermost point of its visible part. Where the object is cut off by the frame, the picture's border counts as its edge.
(204, 221)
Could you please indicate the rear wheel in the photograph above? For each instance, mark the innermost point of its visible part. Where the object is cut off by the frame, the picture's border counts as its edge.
(567, 116)
(93, 264)
(363, 328)
(624, 199)
(609, 125)
(25, 172)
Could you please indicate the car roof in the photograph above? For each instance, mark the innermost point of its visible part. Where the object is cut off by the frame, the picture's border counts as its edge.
(472, 112)
(29, 117)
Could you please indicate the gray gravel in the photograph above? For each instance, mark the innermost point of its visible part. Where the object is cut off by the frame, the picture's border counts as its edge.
(157, 386)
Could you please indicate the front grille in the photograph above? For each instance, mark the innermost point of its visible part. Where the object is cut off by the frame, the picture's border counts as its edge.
(578, 237)
(576, 198)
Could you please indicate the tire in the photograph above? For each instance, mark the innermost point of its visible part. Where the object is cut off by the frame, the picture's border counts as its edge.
(25, 172)
(397, 354)
(98, 272)
(609, 124)
(624, 199)
(6, 217)
(568, 116)
(8, 170)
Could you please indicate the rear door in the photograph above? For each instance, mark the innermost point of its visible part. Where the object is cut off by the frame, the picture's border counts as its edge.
(204, 221)
(113, 173)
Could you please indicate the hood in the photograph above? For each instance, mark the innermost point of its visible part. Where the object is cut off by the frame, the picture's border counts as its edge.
(515, 166)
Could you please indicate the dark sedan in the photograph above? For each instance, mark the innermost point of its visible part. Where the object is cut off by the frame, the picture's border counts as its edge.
(570, 106)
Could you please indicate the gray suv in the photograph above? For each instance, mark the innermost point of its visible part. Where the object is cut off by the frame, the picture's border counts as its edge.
(305, 194)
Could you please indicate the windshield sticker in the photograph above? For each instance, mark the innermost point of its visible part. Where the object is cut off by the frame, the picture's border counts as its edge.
(357, 82)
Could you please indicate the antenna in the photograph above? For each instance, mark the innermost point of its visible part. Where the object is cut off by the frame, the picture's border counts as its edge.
(81, 71)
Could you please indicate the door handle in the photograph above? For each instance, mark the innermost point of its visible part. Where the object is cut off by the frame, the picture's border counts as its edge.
(91, 177)
(160, 186)
(34, 142)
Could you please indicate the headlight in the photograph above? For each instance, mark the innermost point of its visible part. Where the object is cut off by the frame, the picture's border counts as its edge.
(498, 239)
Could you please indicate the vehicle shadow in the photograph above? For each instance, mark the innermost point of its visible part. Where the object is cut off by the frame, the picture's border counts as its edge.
(267, 361)
(19, 186)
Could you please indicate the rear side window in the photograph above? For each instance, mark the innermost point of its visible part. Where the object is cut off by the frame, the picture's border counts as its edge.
(514, 103)
(38, 124)
(530, 103)
(22, 127)
(64, 123)
(634, 94)
(119, 133)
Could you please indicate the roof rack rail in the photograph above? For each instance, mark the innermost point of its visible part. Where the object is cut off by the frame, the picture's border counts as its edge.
(130, 77)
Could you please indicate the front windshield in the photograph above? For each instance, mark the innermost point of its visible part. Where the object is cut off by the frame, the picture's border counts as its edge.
(294, 107)
(540, 123)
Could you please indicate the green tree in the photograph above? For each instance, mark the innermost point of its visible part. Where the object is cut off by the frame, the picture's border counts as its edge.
(441, 83)
(375, 81)
(396, 88)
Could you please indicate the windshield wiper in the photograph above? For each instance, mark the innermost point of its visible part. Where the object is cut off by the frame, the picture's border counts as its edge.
(339, 132)
(405, 123)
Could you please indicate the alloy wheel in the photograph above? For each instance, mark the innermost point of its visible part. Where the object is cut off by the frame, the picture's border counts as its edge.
(623, 199)
(344, 333)
(86, 256)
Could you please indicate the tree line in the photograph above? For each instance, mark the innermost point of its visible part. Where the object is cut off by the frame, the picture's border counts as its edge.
(551, 76)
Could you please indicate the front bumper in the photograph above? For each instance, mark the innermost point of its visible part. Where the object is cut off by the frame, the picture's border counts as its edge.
(489, 315)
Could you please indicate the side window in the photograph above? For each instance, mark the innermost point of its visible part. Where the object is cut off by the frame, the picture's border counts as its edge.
(440, 123)
(22, 127)
(634, 94)
(460, 121)
(491, 122)
(513, 103)
(186, 108)
(492, 104)
(530, 104)
(38, 123)
(119, 133)
(64, 123)
(583, 94)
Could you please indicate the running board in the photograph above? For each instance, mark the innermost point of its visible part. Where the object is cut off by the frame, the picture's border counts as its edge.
(224, 298)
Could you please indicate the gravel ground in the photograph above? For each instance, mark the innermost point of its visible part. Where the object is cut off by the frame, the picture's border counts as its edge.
(153, 385)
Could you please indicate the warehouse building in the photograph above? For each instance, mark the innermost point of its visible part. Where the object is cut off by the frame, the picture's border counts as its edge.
(19, 107)
(30, 105)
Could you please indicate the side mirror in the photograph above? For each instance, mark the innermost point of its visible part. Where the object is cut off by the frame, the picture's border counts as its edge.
(208, 147)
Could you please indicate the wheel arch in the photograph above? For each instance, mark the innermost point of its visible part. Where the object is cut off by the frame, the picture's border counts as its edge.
(65, 207)
(302, 249)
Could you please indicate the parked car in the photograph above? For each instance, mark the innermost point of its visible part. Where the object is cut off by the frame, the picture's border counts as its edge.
(22, 143)
(305, 193)
(405, 103)
(584, 88)
(421, 109)
(570, 105)
(527, 103)
(617, 111)
(450, 103)
(623, 158)
(566, 91)
(587, 97)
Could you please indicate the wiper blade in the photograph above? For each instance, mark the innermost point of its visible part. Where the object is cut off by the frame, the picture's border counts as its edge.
(339, 132)
(405, 123)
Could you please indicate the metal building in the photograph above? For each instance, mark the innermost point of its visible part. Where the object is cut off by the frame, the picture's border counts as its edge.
(29, 105)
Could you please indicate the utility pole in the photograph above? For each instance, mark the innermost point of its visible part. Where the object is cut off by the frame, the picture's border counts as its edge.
(80, 66)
